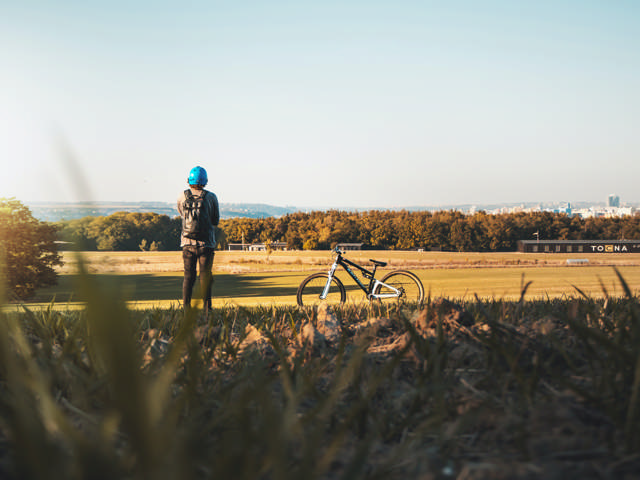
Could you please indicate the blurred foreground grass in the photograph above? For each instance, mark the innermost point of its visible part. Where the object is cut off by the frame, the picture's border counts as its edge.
(474, 389)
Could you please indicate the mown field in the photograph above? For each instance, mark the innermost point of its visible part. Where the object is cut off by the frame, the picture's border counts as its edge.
(251, 278)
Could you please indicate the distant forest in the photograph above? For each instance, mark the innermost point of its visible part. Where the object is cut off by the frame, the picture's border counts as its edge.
(375, 229)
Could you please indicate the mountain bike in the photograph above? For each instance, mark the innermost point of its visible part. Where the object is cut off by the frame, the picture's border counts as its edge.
(398, 285)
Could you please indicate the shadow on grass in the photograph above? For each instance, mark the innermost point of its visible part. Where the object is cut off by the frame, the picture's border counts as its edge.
(152, 287)
(260, 285)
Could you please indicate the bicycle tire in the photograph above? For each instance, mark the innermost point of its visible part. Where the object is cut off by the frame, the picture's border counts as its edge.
(407, 282)
(312, 287)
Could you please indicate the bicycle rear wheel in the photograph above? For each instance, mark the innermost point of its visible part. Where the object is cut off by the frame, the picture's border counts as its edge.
(410, 286)
(312, 287)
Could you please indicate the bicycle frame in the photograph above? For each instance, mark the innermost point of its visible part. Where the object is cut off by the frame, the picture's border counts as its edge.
(373, 282)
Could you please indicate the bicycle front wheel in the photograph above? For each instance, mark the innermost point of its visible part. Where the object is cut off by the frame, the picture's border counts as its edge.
(409, 285)
(312, 287)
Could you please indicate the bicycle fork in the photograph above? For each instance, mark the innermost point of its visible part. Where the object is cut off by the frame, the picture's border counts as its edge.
(332, 270)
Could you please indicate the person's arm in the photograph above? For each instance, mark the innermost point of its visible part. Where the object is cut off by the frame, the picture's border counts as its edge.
(180, 200)
(215, 212)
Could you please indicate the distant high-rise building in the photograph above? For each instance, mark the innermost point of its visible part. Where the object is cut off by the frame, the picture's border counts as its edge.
(614, 200)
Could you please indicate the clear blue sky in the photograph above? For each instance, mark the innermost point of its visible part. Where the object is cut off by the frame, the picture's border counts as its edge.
(321, 103)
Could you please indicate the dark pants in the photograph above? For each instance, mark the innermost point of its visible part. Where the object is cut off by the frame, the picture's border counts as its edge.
(202, 257)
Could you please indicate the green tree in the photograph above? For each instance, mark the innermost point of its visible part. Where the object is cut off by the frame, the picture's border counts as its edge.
(27, 249)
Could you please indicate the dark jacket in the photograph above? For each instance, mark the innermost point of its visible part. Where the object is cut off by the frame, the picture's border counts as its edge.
(211, 211)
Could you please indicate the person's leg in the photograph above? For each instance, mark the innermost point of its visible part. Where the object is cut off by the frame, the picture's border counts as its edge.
(205, 260)
(189, 257)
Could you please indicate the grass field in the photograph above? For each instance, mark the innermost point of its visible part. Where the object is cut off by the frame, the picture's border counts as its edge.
(154, 279)
(545, 388)
(250, 262)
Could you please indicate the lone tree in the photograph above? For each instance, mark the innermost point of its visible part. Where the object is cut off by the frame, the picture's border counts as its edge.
(27, 250)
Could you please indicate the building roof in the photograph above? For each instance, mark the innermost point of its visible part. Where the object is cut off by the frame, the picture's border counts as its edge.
(577, 241)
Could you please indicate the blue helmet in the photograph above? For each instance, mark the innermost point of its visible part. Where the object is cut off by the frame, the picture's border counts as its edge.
(198, 176)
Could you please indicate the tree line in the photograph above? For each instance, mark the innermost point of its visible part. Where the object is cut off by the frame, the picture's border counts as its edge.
(122, 231)
(375, 229)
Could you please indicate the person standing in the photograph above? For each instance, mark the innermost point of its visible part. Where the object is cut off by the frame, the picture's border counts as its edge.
(200, 215)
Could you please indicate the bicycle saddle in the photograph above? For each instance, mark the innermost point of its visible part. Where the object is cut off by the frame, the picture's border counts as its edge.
(377, 263)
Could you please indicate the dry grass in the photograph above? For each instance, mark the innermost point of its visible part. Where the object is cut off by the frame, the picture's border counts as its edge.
(245, 262)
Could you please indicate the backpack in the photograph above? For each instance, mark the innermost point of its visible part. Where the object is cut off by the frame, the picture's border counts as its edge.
(193, 219)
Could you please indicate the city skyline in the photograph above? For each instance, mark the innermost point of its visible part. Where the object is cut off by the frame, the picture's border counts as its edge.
(55, 211)
(365, 104)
